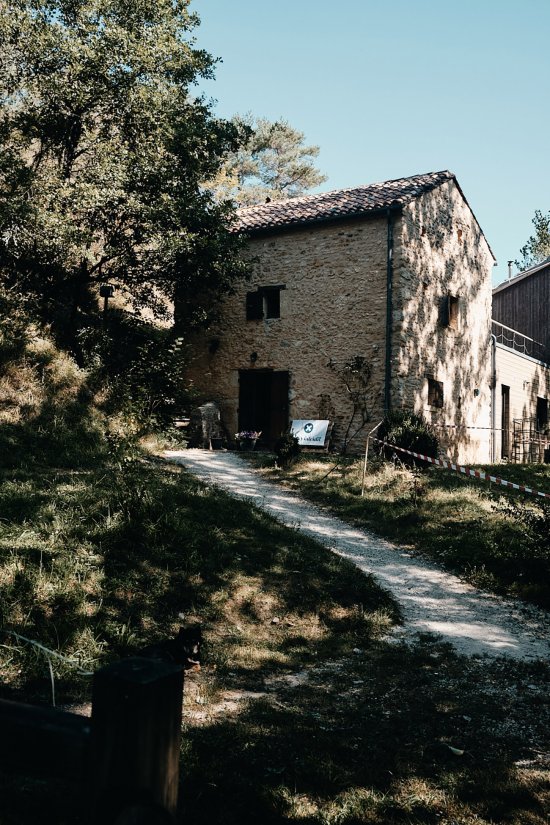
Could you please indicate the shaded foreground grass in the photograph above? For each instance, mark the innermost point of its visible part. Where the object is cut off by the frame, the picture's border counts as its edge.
(95, 564)
(467, 525)
(302, 712)
(388, 735)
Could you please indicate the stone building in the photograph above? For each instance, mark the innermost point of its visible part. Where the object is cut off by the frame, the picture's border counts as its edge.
(360, 300)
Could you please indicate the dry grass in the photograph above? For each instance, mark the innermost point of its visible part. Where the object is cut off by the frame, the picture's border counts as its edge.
(468, 525)
(302, 711)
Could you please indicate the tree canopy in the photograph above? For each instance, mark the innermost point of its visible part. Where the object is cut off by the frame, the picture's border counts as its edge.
(103, 150)
(537, 247)
(273, 162)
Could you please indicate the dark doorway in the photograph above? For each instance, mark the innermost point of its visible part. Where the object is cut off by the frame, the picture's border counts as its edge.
(263, 403)
(542, 414)
(505, 420)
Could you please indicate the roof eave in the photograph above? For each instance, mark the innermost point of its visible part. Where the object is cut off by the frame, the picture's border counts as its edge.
(324, 220)
(521, 276)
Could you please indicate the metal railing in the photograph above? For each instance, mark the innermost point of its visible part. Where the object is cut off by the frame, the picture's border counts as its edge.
(519, 342)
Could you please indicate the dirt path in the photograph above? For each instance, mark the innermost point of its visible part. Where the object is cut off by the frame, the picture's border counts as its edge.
(431, 600)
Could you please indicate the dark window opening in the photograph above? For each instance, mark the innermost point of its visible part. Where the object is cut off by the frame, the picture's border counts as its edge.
(449, 311)
(542, 414)
(505, 420)
(435, 393)
(265, 302)
(272, 302)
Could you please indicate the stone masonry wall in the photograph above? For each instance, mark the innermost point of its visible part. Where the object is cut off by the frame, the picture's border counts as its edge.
(332, 310)
(440, 251)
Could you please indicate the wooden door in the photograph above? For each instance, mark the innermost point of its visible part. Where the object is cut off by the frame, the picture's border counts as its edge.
(263, 403)
(278, 405)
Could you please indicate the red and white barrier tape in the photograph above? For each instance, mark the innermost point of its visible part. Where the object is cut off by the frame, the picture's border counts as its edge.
(436, 426)
(457, 468)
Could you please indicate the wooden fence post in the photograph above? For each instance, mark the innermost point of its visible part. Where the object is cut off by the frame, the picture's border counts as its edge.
(136, 735)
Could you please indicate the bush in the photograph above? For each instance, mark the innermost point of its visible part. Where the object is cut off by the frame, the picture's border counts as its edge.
(409, 431)
(287, 449)
(139, 367)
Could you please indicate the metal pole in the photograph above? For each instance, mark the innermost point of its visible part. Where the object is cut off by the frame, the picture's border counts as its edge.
(366, 457)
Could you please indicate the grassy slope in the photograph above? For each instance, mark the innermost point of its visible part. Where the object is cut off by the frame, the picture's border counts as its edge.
(102, 551)
(96, 562)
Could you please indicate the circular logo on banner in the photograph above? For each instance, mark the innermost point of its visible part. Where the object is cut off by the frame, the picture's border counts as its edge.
(308, 428)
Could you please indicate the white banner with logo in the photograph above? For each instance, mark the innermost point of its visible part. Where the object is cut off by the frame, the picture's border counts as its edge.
(310, 433)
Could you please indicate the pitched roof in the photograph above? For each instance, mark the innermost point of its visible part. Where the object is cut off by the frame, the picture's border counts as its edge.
(340, 203)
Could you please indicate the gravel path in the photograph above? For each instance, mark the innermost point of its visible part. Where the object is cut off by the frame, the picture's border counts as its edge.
(432, 600)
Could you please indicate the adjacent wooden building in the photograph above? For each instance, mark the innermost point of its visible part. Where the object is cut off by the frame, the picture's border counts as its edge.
(521, 390)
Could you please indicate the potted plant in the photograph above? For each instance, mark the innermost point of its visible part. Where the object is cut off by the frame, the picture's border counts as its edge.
(246, 439)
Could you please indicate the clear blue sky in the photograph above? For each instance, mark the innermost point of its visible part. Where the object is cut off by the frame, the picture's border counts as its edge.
(391, 89)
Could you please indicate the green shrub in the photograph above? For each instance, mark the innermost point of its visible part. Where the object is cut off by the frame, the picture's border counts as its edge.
(409, 431)
(287, 449)
(140, 368)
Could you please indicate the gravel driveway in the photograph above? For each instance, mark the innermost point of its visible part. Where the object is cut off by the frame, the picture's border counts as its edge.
(432, 600)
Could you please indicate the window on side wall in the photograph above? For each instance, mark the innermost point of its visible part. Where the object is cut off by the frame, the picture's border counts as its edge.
(435, 392)
(449, 311)
(265, 302)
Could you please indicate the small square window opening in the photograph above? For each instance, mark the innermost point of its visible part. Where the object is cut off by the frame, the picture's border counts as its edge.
(265, 302)
(453, 311)
(435, 393)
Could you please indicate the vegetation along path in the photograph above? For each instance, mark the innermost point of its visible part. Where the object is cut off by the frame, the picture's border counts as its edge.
(431, 600)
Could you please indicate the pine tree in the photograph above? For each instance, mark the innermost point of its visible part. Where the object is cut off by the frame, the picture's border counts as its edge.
(273, 163)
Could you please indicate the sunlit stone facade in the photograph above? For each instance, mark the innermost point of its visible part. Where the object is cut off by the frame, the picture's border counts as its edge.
(427, 347)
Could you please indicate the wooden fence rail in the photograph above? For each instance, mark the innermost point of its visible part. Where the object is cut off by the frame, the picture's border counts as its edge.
(126, 756)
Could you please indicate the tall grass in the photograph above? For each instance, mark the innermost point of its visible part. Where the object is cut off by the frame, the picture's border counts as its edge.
(468, 525)
(304, 711)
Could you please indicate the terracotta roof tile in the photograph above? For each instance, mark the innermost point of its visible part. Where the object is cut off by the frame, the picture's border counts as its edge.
(340, 203)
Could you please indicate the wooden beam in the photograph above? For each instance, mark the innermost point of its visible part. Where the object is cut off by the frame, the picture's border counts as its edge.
(39, 741)
(136, 736)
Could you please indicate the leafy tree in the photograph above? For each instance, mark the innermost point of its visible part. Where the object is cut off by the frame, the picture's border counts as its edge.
(102, 152)
(537, 247)
(273, 163)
